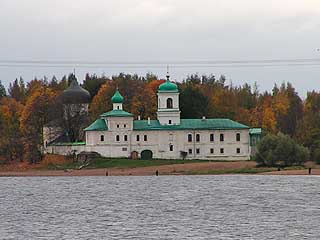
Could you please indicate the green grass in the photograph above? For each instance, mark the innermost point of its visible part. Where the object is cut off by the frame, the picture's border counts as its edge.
(232, 171)
(123, 163)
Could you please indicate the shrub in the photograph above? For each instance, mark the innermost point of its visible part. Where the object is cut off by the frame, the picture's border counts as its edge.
(280, 150)
(316, 155)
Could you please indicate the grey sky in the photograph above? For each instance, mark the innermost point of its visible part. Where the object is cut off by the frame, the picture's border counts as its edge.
(163, 30)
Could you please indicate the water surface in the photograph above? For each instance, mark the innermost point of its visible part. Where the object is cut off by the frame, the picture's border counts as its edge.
(165, 207)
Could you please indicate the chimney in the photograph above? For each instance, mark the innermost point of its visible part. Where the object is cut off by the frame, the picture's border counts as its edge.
(149, 121)
(139, 117)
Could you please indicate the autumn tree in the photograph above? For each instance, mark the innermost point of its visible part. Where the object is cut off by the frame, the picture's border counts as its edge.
(308, 128)
(38, 111)
(11, 147)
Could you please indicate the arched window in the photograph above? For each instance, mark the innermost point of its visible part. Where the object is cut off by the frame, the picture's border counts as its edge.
(198, 138)
(171, 148)
(189, 137)
(169, 103)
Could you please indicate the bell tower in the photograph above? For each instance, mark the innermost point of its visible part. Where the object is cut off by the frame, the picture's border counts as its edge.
(168, 103)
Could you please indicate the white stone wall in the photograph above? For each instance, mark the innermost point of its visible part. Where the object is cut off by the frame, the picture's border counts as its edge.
(125, 123)
(159, 143)
(165, 115)
(65, 150)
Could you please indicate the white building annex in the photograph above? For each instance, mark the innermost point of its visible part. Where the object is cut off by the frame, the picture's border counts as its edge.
(116, 134)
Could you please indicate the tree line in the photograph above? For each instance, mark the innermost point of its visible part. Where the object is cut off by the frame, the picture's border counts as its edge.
(26, 107)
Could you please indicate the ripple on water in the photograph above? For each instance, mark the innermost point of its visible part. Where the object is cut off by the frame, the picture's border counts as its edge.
(166, 207)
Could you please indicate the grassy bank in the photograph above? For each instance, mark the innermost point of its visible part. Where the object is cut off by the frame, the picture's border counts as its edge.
(120, 163)
(254, 170)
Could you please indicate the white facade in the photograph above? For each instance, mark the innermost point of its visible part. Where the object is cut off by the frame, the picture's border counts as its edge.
(169, 144)
(120, 136)
(168, 108)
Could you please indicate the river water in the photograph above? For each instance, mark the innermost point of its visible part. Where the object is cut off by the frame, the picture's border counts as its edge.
(164, 207)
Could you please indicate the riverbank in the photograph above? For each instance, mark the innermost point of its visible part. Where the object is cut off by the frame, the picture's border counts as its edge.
(194, 168)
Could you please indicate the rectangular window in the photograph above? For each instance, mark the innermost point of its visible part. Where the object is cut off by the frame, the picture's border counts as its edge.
(125, 125)
(211, 150)
(238, 150)
(221, 150)
(117, 138)
(170, 121)
(221, 137)
(145, 138)
(211, 137)
(189, 137)
(238, 137)
(198, 137)
(171, 148)
(124, 149)
(198, 151)
(125, 138)
(138, 138)
(190, 151)
(101, 138)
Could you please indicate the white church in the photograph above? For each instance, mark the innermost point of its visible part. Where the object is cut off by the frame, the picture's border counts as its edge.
(116, 134)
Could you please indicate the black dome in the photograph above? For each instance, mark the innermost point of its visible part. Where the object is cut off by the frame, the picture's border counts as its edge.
(75, 94)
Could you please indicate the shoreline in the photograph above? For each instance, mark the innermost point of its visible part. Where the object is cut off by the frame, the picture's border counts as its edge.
(209, 168)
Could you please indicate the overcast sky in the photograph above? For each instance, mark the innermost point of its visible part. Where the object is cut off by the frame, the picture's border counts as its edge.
(166, 31)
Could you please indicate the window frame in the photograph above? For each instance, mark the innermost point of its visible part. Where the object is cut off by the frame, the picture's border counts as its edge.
(169, 103)
(221, 137)
(211, 137)
(238, 137)
(198, 138)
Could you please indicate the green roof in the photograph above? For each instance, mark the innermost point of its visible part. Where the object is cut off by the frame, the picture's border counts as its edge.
(168, 86)
(98, 125)
(117, 97)
(256, 131)
(117, 113)
(68, 144)
(190, 124)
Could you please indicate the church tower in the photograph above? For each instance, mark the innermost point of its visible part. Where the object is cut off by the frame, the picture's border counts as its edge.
(168, 103)
(117, 101)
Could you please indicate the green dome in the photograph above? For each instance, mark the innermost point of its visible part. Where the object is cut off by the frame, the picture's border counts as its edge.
(168, 87)
(117, 97)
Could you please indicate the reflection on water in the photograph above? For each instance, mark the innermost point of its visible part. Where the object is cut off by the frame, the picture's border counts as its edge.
(166, 207)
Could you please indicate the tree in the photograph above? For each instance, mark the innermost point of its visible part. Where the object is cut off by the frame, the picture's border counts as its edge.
(17, 90)
(3, 92)
(10, 135)
(280, 150)
(193, 103)
(308, 128)
(93, 83)
(38, 111)
(102, 100)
